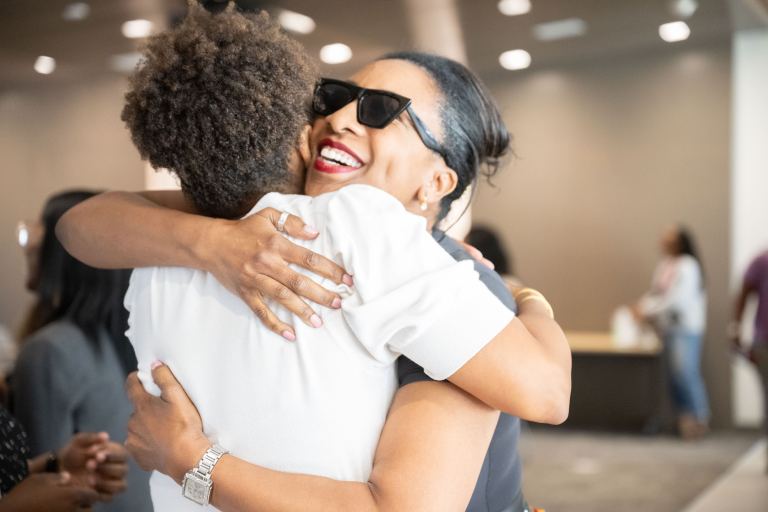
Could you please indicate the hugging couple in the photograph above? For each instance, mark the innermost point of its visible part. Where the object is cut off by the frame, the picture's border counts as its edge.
(307, 337)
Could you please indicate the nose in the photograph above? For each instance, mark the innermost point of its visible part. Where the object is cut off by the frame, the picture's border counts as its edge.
(344, 120)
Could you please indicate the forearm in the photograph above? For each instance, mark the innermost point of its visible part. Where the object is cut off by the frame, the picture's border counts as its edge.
(417, 465)
(555, 373)
(525, 370)
(126, 230)
(37, 464)
(240, 486)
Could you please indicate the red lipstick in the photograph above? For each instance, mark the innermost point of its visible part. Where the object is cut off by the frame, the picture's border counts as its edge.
(326, 166)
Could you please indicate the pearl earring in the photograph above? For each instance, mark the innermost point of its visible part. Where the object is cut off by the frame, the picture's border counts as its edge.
(423, 206)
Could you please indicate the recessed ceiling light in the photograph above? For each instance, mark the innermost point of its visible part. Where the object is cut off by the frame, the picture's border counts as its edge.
(296, 22)
(515, 59)
(45, 65)
(674, 31)
(514, 7)
(77, 11)
(124, 62)
(683, 8)
(137, 28)
(560, 29)
(336, 53)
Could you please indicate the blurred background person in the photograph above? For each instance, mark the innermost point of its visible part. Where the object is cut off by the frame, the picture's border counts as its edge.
(74, 357)
(755, 283)
(87, 469)
(487, 241)
(7, 360)
(676, 306)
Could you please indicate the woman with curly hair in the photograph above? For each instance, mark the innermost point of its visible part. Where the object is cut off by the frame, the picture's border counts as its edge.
(387, 153)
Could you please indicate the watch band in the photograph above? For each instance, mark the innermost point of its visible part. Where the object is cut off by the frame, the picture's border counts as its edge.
(52, 463)
(209, 459)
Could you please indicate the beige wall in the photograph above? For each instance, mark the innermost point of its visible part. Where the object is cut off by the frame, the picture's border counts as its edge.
(610, 153)
(53, 138)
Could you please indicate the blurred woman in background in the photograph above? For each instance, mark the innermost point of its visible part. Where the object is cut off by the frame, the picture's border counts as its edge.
(676, 306)
(74, 356)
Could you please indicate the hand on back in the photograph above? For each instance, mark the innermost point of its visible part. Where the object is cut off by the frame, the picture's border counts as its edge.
(251, 258)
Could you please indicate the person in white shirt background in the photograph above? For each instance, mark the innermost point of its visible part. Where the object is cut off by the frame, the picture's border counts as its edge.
(519, 371)
(676, 305)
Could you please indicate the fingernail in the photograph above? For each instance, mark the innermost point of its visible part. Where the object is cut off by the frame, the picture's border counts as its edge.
(156, 364)
(336, 304)
(315, 321)
(288, 335)
(347, 280)
(310, 230)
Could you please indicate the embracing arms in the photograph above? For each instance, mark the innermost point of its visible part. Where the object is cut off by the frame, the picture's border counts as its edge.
(524, 371)
(428, 458)
(160, 228)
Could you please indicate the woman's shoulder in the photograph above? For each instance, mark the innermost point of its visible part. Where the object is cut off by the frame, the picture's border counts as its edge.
(356, 196)
(61, 337)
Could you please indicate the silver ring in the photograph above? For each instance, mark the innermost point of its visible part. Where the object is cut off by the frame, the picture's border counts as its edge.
(281, 222)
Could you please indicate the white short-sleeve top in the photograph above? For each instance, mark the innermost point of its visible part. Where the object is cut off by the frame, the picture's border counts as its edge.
(316, 405)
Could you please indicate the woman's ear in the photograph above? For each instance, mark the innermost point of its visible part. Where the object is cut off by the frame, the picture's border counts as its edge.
(435, 187)
(443, 182)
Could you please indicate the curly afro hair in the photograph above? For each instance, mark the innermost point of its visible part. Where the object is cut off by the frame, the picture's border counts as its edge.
(220, 101)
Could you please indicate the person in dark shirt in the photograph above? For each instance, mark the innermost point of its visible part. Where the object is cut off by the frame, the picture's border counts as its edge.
(499, 486)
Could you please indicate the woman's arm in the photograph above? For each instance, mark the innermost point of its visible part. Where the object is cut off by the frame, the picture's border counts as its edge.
(525, 370)
(159, 228)
(428, 458)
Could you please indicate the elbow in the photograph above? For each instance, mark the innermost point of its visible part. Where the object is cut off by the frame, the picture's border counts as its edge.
(560, 398)
(558, 412)
(554, 410)
(548, 403)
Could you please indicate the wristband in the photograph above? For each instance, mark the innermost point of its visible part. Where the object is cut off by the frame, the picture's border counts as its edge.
(52, 463)
(528, 294)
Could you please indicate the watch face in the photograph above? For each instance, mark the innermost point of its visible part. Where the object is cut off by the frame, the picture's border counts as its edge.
(196, 488)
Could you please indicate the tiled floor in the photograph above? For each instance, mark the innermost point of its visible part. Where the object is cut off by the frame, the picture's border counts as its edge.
(576, 471)
(744, 487)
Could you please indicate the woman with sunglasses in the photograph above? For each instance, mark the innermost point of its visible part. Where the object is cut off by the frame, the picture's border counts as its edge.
(345, 148)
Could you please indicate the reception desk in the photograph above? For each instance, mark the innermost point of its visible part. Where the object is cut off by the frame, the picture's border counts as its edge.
(616, 387)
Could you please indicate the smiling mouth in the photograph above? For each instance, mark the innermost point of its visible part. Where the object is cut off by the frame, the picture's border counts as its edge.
(335, 158)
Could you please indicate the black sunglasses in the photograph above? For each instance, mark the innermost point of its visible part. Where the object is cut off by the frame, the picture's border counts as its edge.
(375, 108)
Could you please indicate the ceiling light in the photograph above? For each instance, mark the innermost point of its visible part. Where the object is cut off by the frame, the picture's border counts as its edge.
(515, 59)
(296, 22)
(137, 28)
(514, 7)
(560, 29)
(77, 11)
(45, 65)
(674, 31)
(124, 62)
(336, 53)
(683, 8)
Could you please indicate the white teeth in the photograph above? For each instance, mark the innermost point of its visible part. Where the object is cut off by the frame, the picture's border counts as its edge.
(339, 157)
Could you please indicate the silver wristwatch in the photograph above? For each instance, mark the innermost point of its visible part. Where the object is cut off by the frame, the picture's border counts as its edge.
(197, 484)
